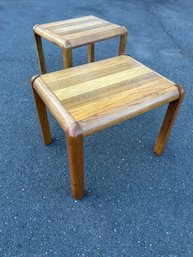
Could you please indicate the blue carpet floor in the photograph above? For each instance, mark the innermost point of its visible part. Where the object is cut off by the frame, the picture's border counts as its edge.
(136, 204)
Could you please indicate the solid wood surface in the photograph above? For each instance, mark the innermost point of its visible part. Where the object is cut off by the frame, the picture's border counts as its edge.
(104, 93)
(79, 31)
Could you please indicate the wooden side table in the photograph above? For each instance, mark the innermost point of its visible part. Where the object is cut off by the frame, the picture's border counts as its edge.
(69, 34)
(92, 97)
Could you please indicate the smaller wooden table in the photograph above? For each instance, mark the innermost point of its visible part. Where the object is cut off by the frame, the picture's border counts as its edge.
(92, 97)
(69, 34)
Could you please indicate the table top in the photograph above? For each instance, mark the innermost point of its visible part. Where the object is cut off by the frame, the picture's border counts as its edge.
(104, 93)
(79, 31)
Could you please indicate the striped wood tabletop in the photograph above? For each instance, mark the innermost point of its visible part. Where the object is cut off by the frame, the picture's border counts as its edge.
(104, 93)
(79, 31)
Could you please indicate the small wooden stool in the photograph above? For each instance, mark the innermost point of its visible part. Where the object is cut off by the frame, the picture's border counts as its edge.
(74, 33)
(92, 97)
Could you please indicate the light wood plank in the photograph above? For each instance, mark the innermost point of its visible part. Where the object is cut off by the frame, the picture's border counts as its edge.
(69, 21)
(99, 83)
(64, 25)
(92, 32)
(90, 37)
(80, 27)
(82, 78)
(114, 89)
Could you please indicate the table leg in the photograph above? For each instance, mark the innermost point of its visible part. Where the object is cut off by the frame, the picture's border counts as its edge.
(123, 42)
(168, 122)
(67, 57)
(91, 52)
(75, 148)
(43, 118)
(40, 53)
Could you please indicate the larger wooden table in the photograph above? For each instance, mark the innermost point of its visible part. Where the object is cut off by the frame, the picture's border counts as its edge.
(69, 34)
(92, 97)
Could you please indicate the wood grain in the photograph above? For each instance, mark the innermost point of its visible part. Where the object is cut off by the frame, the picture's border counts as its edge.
(79, 31)
(105, 93)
